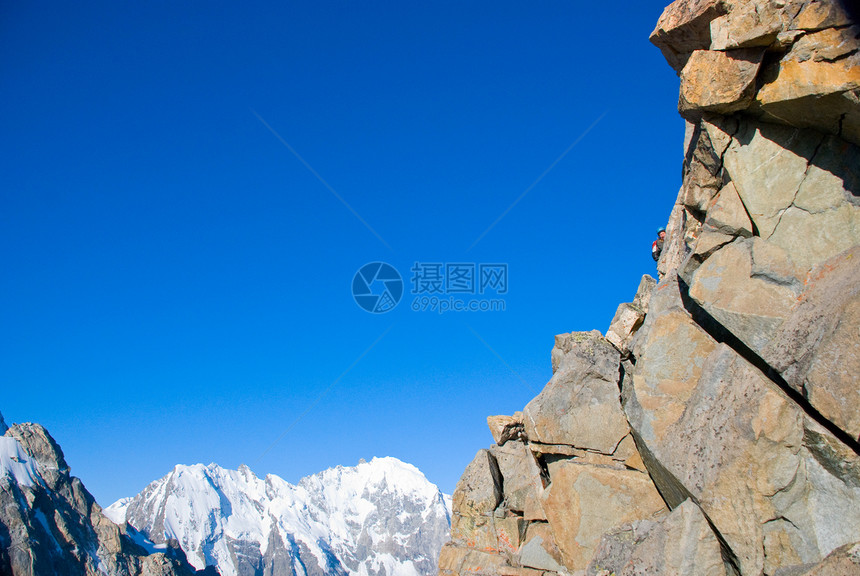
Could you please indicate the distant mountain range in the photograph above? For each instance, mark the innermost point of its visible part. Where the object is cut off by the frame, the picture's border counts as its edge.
(380, 518)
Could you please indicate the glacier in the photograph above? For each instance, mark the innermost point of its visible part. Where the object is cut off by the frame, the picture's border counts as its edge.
(379, 518)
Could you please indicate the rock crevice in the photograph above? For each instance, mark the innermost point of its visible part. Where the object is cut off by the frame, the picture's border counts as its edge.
(724, 336)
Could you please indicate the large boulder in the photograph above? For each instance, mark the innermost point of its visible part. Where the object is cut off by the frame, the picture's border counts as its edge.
(685, 26)
(722, 82)
(824, 218)
(629, 317)
(767, 164)
(822, 14)
(751, 306)
(728, 215)
(671, 352)
(504, 428)
(642, 299)
(475, 499)
(816, 349)
(751, 23)
(765, 474)
(680, 543)
(583, 502)
(627, 320)
(580, 404)
(539, 550)
(813, 93)
(479, 490)
(824, 45)
(521, 477)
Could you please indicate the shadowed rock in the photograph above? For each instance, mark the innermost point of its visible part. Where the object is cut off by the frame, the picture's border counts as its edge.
(50, 524)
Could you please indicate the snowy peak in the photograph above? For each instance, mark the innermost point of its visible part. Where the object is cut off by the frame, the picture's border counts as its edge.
(384, 474)
(50, 524)
(380, 517)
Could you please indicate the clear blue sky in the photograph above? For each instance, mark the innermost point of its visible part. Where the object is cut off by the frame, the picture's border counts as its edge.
(176, 283)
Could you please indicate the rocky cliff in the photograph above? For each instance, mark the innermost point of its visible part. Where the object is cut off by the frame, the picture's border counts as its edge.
(50, 524)
(714, 430)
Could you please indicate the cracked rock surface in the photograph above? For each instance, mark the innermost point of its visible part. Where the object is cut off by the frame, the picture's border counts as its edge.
(716, 428)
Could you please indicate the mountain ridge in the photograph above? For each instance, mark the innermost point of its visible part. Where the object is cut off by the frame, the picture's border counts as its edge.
(51, 524)
(381, 516)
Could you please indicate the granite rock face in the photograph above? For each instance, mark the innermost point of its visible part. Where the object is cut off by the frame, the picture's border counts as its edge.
(542, 502)
(587, 377)
(50, 524)
(792, 62)
(844, 560)
(715, 430)
(680, 542)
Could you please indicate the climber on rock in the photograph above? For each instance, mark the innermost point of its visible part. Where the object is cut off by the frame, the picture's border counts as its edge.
(657, 245)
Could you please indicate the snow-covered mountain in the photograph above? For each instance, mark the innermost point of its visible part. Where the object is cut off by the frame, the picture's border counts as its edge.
(380, 518)
(50, 523)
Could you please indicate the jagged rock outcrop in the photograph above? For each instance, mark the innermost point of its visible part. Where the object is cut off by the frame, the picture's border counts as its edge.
(629, 317)
(792, 62)
(542, 501)
(50, 524)
(715, 430)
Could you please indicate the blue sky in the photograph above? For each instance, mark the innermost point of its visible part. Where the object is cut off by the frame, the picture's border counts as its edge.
(177, 283)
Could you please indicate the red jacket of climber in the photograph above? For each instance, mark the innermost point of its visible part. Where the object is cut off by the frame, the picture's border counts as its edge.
(657, 245)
